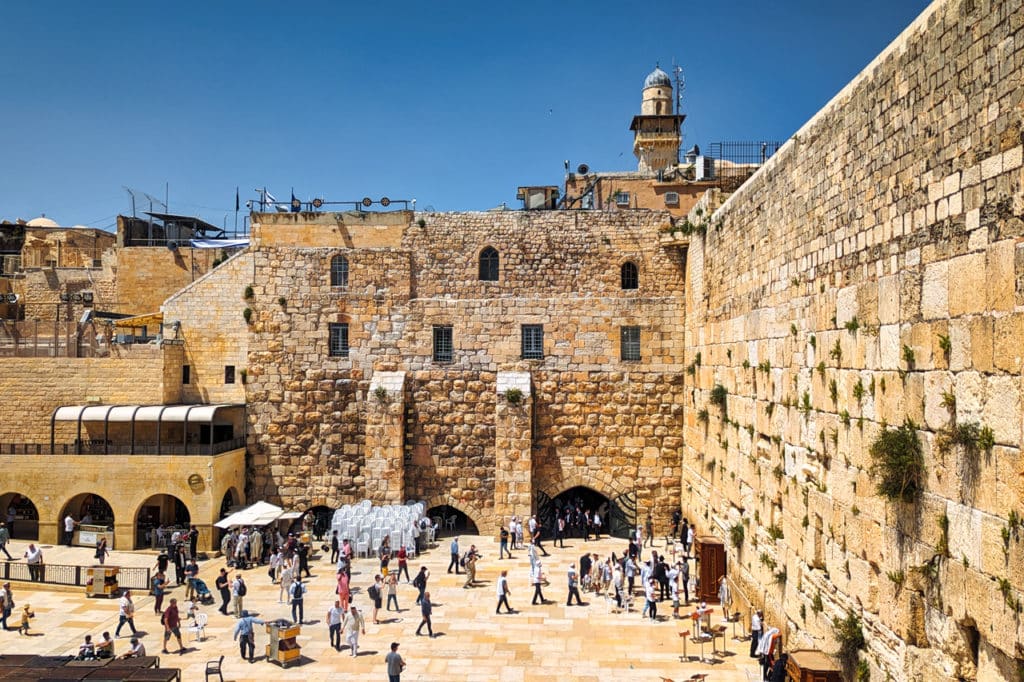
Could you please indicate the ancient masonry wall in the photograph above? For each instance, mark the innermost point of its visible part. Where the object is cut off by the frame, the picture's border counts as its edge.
(595, 420)
(873, 272)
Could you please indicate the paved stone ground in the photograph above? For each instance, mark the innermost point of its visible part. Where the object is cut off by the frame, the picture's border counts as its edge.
(537, 642)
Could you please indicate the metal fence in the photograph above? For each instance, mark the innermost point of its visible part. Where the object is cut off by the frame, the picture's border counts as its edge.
(128, 577)
(43, 339)
(734, 162)
(98, 447)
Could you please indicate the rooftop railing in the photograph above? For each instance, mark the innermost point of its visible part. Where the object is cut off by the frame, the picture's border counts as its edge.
(99, 447)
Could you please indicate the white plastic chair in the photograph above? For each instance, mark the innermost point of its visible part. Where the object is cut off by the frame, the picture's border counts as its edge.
(363, 546)
(198, 628)
(450, 522)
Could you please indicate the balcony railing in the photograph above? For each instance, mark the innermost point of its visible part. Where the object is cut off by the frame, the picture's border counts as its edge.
(98, 447)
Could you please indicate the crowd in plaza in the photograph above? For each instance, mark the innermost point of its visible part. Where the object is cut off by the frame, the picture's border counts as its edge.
(640, 572)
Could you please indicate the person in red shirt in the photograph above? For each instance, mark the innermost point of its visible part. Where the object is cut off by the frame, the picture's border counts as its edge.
(403, 563)
(172, 626)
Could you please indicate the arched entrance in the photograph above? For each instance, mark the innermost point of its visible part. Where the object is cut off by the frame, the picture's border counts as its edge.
(228, 502)
(321, 516)
(88, 509)
(617, 516)
(20, 515)
(451, 521)
(159, 517)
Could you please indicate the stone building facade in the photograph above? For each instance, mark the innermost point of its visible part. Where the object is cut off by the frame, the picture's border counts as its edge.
(869, 274)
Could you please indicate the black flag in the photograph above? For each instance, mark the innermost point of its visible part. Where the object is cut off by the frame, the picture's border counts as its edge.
(236, 200)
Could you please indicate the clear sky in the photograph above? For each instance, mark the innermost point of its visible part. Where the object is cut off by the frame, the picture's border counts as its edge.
(452, 103)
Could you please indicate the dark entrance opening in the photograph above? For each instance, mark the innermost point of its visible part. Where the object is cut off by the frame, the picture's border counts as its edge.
(618, 516)
(321, 519)
(158, 519)
(21, 516)
(451, 521)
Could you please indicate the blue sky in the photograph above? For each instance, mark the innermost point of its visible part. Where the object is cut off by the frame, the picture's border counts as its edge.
(452, 103)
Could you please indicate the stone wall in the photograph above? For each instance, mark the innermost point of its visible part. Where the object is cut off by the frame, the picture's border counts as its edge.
(310, 413)
(212, 324)
(32, 388)
(869, 274)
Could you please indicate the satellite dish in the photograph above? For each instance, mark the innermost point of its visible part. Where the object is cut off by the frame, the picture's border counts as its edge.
(384, 201)
(367, 201)
(583, 169)
(172, 245)
(317, 203)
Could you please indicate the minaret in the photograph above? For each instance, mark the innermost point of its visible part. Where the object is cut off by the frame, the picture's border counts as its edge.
(656, 136)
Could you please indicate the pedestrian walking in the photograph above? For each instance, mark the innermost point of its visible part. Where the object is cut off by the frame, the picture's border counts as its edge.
(335, 547)
(537, 580)
(503, 593)
(651, 604)
(159, 584)
(393, 592)
(191, 573)
(470, 559)
(420, 583)
(69, 529)
(238, 592)
(376, 595)
(223, 585)
(5, 537)
(454, 551)
(342, 589)
(6, 605)
(334, 616)
(395, 664)
(503, 544)
(125, 613)
(274, 564)
(193, 542)
(560, 532)
(101, 550)
(297, 593)
(648, 531)
(426, 610)
(26, 615)
(351, 625)
(724, 596)
(403, 562)
(34, 557)
(245, 635)
(574, 590)
(287, 576)
(172, 626)
(755, 632)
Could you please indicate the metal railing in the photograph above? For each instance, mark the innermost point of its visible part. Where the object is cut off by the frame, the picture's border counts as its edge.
(45, 339)
(129, 577)
(94, 447)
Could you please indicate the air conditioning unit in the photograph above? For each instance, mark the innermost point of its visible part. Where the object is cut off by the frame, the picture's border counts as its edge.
(13, 298)
(76, 297)
(704, 168)
(87, 296)
(65, 297)
(671, 198)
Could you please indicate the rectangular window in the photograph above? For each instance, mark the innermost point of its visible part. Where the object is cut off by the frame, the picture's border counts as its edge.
(442, 343)
(671, 198)
(622, 198)
(630, 343)
(338, 345)
(229, 374)
(186, 374)
(533, 341)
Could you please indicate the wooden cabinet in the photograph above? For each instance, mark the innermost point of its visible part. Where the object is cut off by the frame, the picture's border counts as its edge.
(807, 665)
(282, 647)
(710, 566)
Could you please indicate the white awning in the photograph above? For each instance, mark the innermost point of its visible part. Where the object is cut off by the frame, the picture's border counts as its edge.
(141, 413)
(259, 514)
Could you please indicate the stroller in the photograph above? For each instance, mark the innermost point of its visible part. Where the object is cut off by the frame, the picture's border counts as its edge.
(203, 594)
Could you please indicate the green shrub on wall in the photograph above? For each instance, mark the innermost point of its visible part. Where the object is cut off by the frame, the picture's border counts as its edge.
(897, 463)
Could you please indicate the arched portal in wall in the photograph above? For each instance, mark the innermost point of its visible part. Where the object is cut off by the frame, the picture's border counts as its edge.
(87, 509)
(158, 518)
(228, 502)
(20, 515)
(617, 515)
(320, 517)
(451, 521)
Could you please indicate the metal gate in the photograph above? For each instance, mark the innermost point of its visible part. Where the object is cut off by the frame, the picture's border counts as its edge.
(622, 515)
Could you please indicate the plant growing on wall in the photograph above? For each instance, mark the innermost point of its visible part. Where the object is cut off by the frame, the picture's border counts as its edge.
(908, 356)
(833, 390)
(849, 636)
(775, 532)
(702, 415)
(282, 301)
(897, 463)
(821, 369)
(852, 325)
(942, 547)
(718, 397)
(247, 314)
(736, 533)
(813, 341)
(946, 345)
(837, 353)
(513, 396)
(248, 292)
(381, 394)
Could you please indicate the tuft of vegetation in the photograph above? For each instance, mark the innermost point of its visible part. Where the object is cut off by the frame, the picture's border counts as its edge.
(769, 408)
(852, 325)
(806, 521)
(813, 341)
(697, 359)
(775, 532)
(881, 384)
(844, 417)
(248, 294)
(863, 671)
(837, 352)
(942, 547)
(833, 390)
(513, 396)
(949, 401)
(381, 394)
(792, 329)
(736, 534)
(765, 366)
(958, 435)
(421, 222)
(702, 415)
(718, 397)
(898, 463)
(766, 560)
(821, 369)
(728, 354)
(803, 612)
(282, 301)
(781, 577)
(897, 578)
(908, 356)
(945, 345)
(986, 439)
(816, 605)
(858, 391)
(805, 403)
(247, 314)
(849, 635)
(746, 364)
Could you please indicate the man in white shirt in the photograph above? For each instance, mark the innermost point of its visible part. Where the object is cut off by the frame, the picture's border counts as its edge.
(334, 618)
(352, 624)
(755, 633)
(34, 557)
(137, 649)
(503, 593)
(125, 613)
(69, 529)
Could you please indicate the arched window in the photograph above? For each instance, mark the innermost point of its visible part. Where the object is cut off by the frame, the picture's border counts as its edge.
(339, 271)
(489, 265)
(630, 276)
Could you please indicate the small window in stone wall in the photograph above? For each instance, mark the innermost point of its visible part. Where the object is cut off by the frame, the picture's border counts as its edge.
(229, 374)
(338, 342)
(533, 341)
(630, 344)
(489, 262)
(629, 276)
(186, 374)
(442, 343)
(339, 272)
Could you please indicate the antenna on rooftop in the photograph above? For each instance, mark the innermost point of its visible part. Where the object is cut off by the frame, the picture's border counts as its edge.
(677, 72)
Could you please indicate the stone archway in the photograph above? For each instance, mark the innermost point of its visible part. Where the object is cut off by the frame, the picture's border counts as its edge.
(158, 518)
(20, 515)
(88, 509)
(472, 514)
(615, 503)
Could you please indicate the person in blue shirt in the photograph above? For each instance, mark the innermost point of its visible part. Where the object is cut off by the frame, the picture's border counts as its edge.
(244, 634)
(454, 549)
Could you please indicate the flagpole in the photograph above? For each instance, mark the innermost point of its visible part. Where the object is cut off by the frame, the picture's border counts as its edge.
(236, 212)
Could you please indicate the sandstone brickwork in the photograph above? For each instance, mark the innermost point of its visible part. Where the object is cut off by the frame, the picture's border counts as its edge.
(868, 274)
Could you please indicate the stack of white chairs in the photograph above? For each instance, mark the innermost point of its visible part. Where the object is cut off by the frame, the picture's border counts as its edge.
(367, 525)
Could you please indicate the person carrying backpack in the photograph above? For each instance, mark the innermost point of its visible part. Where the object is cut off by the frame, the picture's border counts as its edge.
(296, 593)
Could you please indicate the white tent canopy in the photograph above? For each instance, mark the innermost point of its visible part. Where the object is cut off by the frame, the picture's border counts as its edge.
(259, 514)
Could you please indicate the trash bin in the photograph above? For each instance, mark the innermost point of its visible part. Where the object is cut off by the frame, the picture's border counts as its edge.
(282, 647)
(102, 580)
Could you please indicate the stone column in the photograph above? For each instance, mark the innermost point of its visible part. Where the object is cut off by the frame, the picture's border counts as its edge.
(384, 470)
(513, 455)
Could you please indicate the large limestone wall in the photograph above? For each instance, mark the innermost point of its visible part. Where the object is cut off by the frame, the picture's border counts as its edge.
(308, 411)
(871, 273)
(32, 388)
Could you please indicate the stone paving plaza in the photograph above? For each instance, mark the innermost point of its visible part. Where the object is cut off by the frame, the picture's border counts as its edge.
(536, 642)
